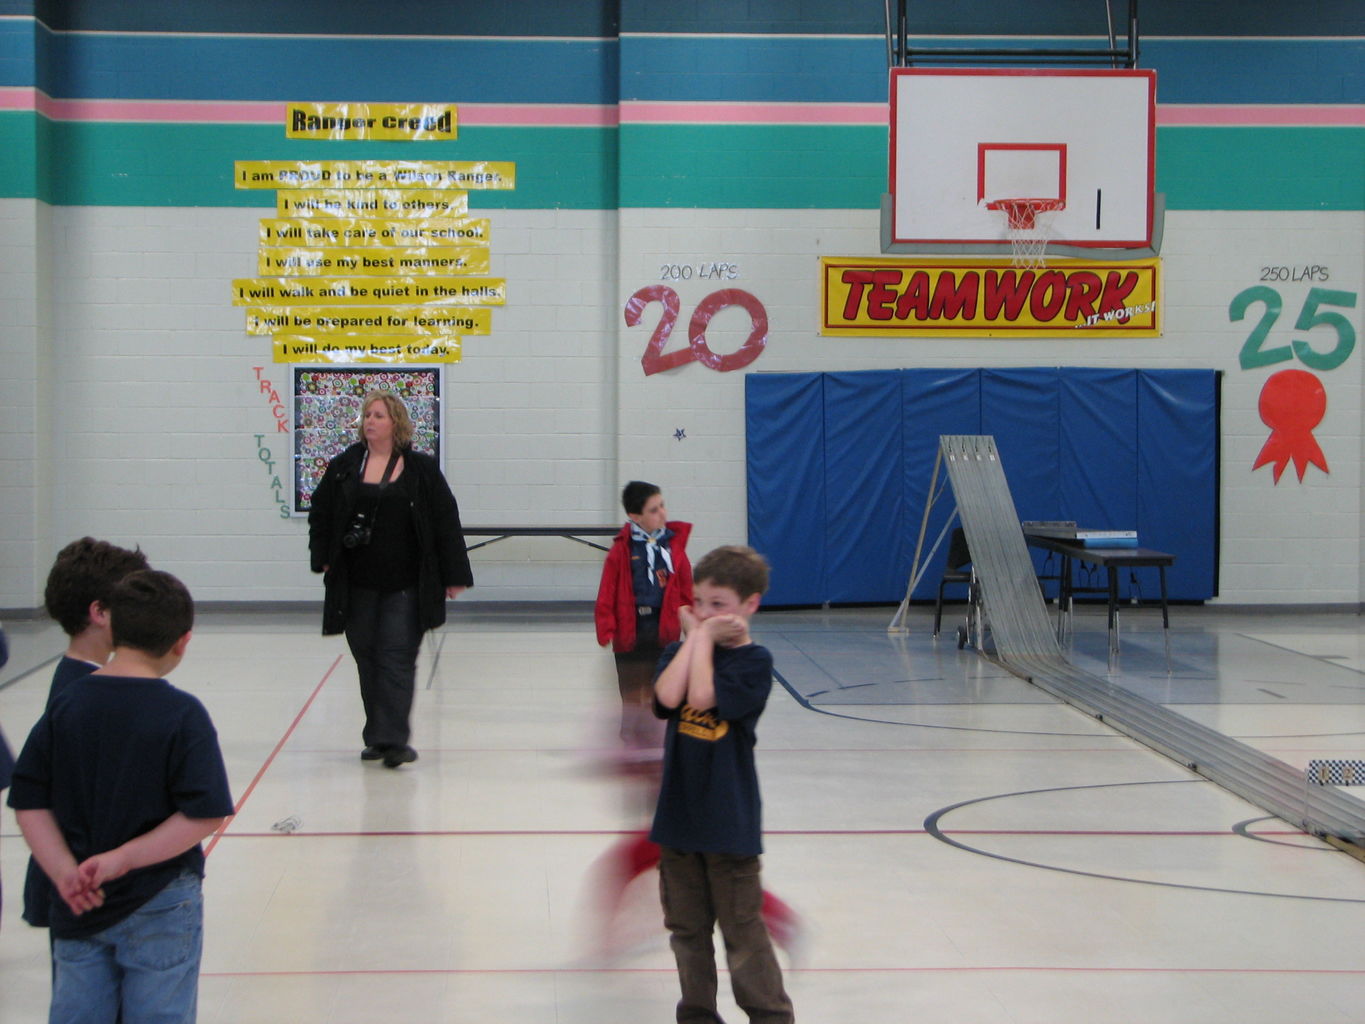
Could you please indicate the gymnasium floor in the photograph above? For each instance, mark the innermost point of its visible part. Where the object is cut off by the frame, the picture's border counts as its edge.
(961, 847)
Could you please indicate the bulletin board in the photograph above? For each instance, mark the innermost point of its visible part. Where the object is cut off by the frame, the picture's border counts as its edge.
(326, 407)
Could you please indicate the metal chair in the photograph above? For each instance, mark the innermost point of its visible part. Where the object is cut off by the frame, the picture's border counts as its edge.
(959, 555)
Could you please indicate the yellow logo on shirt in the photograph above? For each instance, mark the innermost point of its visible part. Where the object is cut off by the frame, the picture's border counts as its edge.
(701, 725)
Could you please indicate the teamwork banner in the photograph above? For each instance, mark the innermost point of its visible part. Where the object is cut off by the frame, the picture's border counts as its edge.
(413, 203)
(277, 260)
(330, 321)
(370, 291)
(329, 174)
(910, 297)
(437, 231)
(394, 122)
(352, 348)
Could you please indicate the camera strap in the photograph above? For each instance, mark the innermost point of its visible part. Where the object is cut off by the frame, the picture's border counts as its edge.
(388, 468)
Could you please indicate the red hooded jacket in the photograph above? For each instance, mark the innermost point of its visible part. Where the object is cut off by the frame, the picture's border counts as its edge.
(615, 611)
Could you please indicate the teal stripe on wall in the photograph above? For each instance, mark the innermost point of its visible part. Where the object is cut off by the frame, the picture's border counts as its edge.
(191, 165)
(794, 167)
(18, 155)
(716, 166)
(1261, 168)
(753, 166)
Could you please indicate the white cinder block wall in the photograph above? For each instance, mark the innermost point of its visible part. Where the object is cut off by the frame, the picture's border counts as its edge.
(135, 375)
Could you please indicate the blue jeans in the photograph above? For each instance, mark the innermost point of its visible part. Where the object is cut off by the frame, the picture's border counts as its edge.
(148, 964)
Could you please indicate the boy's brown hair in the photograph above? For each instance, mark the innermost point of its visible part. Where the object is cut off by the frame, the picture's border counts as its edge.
(85, 571)
(150, 611)
(736, 566)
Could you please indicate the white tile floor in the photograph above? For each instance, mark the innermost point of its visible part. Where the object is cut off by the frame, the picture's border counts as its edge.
(961, 847)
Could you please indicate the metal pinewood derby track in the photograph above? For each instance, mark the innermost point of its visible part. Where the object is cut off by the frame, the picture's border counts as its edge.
(1018, 635)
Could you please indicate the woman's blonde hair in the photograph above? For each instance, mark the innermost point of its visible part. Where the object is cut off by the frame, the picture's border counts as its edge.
(398, 412)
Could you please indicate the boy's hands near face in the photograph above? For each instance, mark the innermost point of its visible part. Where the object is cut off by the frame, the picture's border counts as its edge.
(727, 630)
(688, 618)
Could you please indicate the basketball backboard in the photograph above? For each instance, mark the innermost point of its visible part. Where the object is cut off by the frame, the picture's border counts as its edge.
(965, 139)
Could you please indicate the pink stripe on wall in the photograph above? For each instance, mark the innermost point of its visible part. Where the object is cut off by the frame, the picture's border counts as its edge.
(583, 115)
(1287, 115)
(569, 115)
(683, 112)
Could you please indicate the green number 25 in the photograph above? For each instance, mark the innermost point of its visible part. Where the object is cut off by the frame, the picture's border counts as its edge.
(1255, 355)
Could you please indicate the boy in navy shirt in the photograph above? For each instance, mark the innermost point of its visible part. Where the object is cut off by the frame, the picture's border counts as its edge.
(76, 596)
(117, 784)
(712, 688)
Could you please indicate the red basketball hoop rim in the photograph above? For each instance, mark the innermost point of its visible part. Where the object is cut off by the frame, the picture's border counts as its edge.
(1022, 213)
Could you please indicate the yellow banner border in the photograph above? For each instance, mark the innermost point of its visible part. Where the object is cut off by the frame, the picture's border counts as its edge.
(367, 320)
(360, 233)
(1141, 319)
(359, 348)
(362, 290)
(326, 174)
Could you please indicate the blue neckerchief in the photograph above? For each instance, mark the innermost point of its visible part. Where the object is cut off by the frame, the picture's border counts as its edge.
(654, 549)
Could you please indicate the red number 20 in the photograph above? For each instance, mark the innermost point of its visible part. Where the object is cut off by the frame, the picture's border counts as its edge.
(654, 359)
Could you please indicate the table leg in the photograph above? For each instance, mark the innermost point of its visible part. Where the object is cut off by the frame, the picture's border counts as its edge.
(1113, 575)
(1165, 617)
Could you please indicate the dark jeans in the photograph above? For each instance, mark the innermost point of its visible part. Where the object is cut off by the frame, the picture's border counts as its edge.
(698, 890)
(635, 671)
(385, 635)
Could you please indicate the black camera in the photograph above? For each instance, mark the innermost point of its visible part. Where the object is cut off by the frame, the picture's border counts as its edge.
(360, 531)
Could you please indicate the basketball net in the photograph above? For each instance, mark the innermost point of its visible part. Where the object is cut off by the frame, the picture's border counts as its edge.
(1028, 225)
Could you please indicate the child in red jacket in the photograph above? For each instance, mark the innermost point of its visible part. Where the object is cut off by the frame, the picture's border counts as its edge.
(645, 580)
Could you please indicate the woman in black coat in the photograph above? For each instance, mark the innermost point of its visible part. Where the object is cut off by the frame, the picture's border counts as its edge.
(384, 530)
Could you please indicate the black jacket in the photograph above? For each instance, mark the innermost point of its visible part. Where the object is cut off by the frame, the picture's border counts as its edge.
(443, 561)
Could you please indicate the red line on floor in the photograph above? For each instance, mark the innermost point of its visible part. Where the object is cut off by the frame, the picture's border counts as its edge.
(510, 832)
(270, 760)
(803, 970)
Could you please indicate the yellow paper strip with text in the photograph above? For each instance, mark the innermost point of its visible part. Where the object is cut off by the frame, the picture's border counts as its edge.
(908, 297)
(378, 233)
(400, 122)
(369, 291)
(330, 320)
(441, 174)
(278, 260)
(351, 348)
(371, 202)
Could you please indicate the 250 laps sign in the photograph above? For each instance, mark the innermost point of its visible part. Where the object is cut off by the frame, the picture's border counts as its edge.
(895, 297)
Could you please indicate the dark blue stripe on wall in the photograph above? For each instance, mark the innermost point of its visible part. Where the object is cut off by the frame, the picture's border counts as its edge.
(771, 69)
(375, 70)
(1257, 70)
(776, 69)
(334, 17)
(16, 54)
(965, 17)
(600, 17)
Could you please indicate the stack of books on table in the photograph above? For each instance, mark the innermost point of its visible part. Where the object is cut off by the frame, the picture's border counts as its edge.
(1066, 529)
(1061, 529)
(1108, 538)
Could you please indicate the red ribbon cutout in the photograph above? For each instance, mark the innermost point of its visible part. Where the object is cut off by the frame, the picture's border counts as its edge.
(1293, 402)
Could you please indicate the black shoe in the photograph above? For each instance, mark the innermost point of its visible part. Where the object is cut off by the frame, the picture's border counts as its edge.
(395, 756)
(371, 754)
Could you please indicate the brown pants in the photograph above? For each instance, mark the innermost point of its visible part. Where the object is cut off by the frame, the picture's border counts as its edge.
(698, 890)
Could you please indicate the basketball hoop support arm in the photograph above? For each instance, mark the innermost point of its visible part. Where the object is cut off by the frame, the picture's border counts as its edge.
(903, 55)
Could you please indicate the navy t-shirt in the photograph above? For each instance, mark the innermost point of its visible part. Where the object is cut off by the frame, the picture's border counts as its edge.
(112, 759)
(708, 799)
(38, 890)
(68, 670)
(6, 763)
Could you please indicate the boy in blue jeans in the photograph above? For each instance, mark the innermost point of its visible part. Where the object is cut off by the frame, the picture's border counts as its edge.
(712, 688)
(117, 784)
